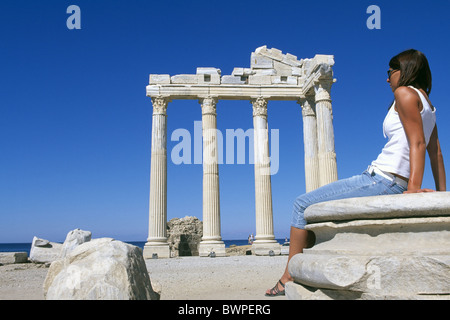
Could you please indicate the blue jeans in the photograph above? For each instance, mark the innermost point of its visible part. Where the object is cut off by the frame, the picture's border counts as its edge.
(363, 185)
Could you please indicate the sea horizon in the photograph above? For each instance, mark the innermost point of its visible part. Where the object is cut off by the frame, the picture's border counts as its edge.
(26, 246)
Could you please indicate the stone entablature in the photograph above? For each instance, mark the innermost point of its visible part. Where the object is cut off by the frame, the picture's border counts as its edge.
(272, 76)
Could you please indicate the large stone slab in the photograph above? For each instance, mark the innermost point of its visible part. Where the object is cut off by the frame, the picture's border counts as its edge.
(385, 247)
(389, 206)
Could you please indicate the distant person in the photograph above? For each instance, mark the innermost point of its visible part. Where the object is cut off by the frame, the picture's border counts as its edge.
(410, 126)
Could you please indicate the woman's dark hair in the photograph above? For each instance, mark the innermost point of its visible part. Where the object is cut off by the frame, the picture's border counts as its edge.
(414, 69)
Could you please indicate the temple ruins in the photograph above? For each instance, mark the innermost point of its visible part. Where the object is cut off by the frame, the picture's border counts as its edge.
(273, 75)
(382, 247)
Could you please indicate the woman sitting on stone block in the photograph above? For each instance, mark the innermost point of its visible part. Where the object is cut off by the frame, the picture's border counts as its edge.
(410, 126)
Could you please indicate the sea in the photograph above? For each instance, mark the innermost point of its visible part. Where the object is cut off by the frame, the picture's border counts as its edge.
(26, 247)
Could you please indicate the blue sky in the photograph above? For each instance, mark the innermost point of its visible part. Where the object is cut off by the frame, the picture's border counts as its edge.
(75, 122)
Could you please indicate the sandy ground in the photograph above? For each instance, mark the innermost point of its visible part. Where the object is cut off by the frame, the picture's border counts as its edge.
(185, 278)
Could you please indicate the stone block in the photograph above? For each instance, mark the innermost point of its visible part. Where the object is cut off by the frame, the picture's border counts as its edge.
(159, 79)
(383, 247)
(296, 71)
(260, 62)
(13, 257)
(291, 57)
(208, 78)
(153, 90)
(203, 70)
(273, 53)
(156, 250)
(238, 72)
(292, 62)
(266, 248)
(233, 80)
(265, 72)
(206, 248)
(390, 274)
(259, 80)
(44, 251)
(282, 69)
(284, 80)
(324, 59)
(390, 206)
(184, 79)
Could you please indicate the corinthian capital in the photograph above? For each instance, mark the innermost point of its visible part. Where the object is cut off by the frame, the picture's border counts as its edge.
(259, 107)
(308, 106)
(208, 105)
(160, 105)
(322, 90)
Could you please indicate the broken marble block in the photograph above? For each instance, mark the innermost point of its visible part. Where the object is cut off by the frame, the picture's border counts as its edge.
(73, 239)
(44, 251)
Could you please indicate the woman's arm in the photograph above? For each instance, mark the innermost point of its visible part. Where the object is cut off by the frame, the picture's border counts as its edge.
(437, 161)
(408, 104)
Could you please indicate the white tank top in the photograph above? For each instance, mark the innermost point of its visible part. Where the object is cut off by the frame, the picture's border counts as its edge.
(394, 157)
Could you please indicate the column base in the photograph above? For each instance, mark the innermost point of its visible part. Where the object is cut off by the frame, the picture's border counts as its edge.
(264, 247)
(206, 247)
(162, 250)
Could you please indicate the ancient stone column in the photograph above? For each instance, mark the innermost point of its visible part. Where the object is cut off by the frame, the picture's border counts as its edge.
(211, 240)
(325, 132)
(264, 238)
(157, 236)
(312, 174)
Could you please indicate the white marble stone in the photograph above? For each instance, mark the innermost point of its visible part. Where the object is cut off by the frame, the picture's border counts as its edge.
(184, 79)
(259, 79)
(214, 71)
(211, 240)
(260, 62)
(209, 79)
(159, 79)
(232, 80)
(284, 80)
(393, 246)
(390, 206)
(44, 251)
(157, 234)
(101, 269)
(13, 257)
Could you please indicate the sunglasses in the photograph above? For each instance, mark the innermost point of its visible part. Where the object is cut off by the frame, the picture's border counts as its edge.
(391, 71)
